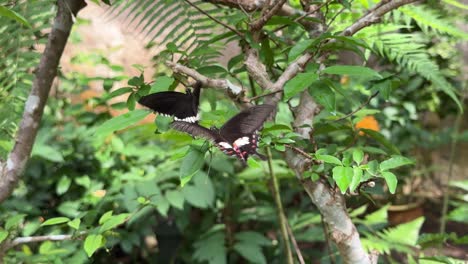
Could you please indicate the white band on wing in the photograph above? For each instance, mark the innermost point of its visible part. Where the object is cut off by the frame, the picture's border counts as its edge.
(241, 142)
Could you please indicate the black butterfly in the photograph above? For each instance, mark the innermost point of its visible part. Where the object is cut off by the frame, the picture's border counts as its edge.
(182, 106)
(238, 136)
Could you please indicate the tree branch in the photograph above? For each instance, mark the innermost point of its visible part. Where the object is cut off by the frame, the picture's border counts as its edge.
(235, 92)
(257, 25)
(34, 107)
(374, 15)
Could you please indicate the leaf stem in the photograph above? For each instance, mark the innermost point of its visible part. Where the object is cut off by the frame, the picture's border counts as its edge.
(281, 216)
(453, 147)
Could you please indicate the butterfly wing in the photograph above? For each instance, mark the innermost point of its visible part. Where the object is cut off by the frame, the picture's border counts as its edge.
(198, 131)
(183, 107)
(246, 122)
(241, 131)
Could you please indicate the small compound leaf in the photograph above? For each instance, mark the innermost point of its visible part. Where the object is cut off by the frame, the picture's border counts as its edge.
(75, 223)
(394, 162)
(92, 243)
(55, 221)
(191, 164)
(358, 156)
(298, 84)
(113, 222)
(353, 70)
(175, 198)
(343, 177)
(391, 180)
(328, 159)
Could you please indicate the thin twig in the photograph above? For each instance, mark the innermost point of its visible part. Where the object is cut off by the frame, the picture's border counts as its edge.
(262, 95)
(453, 147)
(281, 216)
(304, 15)
(34, 239)
(336, 15)
(296, 246)
(300, 151)
(257, 25)
(360, 107)
(215, 19)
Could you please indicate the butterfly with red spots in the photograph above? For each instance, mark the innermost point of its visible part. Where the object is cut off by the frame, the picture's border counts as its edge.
(238, 136)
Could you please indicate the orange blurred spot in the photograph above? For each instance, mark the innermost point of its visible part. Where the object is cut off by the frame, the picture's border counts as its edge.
(99, 193)
(368, 122)
(41, 219)
(88, 94)
(344, 79)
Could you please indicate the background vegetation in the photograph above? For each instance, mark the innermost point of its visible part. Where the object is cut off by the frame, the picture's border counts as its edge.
(386, 131)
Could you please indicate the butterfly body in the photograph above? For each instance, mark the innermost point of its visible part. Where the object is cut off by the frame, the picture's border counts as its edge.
(238, 136)
(182, 106)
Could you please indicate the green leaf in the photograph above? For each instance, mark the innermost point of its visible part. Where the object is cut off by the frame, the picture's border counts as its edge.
(162, 205)
(212, 69)
(253, 238)
(324, 96)
(118, 92)
(120, 122)
(391, 180)
(211, 249)
(253, 163)
(55, 221)
(84, 181)
(176, 199)
(131, 101)
(201, 193)
(358, 156)
(47, 152)
(280, 147)
(92, 243)
(394, 162)
(328, 159)
(105, 217)
(357, 176)
(136, 81)
(251, 252)
(299, 49)
(113, 221)
(161, 84)
(353, 70)
(298, 84)
(191, 164)
(63, 185)
(373, 167)
(3, 235)
(75, 223)
(343, 177)
(5, 12)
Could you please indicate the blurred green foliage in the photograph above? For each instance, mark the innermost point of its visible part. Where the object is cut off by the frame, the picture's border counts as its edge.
(138, 192)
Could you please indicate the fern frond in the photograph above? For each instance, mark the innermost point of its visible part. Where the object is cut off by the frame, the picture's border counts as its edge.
(408, 51)
(456, 4)
(429, 20)
(172, 21)
(400, 238)
(19, 58)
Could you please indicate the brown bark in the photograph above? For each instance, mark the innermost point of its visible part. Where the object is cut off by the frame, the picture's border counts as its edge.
(45, 73)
